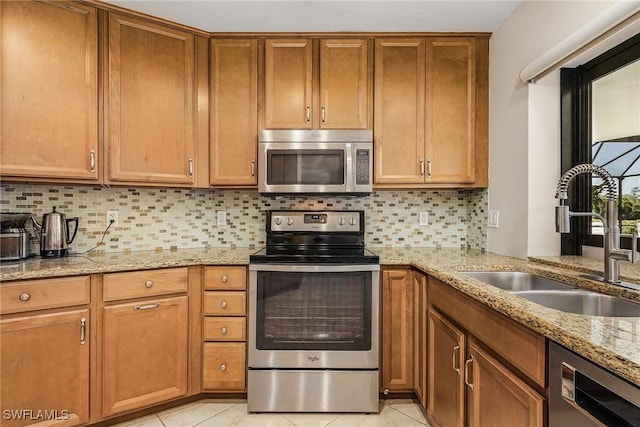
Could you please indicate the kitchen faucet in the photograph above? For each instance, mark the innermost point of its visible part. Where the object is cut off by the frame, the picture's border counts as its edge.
(612, 252)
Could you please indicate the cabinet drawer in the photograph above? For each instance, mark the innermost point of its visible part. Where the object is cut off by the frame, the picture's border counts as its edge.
(225, 328)
(138, 284)
(223, 278)
(42, 294)
(521, 347)
(223, 366)
(220, 303)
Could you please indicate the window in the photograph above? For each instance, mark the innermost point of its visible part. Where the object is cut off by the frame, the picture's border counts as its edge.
(601, 125)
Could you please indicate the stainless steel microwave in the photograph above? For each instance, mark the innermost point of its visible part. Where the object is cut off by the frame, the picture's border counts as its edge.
(315, 161)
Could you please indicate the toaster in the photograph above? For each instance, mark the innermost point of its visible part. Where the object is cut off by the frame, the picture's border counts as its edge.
(14, 238)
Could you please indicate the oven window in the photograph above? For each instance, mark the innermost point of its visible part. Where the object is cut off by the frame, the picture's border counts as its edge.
(313, 311)
(305, 167)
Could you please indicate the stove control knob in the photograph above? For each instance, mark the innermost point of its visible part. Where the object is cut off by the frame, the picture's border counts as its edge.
(341, 221)
(277, 220)
(289, 220)
(353, 221)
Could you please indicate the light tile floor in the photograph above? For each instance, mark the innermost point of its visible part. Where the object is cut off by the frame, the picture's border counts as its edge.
(213, 413)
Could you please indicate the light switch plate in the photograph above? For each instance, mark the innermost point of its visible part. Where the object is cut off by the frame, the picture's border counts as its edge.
(424, 218)
(221, 218)
(493, 220)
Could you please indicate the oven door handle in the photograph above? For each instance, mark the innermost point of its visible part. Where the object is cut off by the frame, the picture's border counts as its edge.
(315, 268)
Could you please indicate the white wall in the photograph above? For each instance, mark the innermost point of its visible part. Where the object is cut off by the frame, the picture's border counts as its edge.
(524, 143)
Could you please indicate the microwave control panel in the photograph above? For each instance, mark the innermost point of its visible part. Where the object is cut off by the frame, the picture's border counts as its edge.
(362, 166)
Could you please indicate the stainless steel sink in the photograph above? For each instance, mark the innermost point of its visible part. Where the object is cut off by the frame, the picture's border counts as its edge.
(583, 302)
(518, 281)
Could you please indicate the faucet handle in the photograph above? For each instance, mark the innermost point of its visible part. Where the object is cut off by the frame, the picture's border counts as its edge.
(634, 245)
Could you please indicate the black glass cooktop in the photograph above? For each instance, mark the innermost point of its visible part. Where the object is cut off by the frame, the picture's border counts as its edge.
(313, 255)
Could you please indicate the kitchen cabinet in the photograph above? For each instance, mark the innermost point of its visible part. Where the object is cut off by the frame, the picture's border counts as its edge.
(224, 332)
(145, 341)
(430, 111)
(49, 94)
(317, 84)
(45, 355)
(149, 123)
(420, 334)
(484, 369)
(233, 74)
(397, 330)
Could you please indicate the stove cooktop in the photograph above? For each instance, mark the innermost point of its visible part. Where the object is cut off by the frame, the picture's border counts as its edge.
(314, 255)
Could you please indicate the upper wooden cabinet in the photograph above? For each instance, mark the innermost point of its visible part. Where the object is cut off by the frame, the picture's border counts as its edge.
(233, 75)
(317, 84)
(48, 91)
(430, 111)
(149, 124)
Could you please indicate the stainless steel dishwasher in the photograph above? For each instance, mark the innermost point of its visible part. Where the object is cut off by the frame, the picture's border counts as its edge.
(583, 394)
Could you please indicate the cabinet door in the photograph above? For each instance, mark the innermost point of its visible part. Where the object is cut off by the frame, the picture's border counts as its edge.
(446, 372)
(288, 84)
(150, 115)
(234, 111)
(48, 90)
(144, 354)
(397, 330)
(420, 344)
(399, 111)
(451, 107)
(497, 397)
(344, 84)
(45, 367)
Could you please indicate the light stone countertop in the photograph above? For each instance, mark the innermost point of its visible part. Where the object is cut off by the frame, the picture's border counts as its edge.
(613, 343)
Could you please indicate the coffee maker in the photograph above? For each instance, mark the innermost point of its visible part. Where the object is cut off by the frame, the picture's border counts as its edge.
(54, 234)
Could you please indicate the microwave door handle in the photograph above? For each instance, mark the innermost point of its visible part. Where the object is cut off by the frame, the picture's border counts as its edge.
(349, 178)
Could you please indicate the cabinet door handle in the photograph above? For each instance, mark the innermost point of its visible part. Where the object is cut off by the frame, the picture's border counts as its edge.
(25, 297)
(466, 372)
(308, 114)
(92, 160)
(429, 168)
(224, 279)
(223, 304)
(253, 168)
(223, 367)
(148, 306)
(148, 284)
(223, 330)
(421, 167)
(191, 167)
(83, 330)
(456, 352)
(323, 115)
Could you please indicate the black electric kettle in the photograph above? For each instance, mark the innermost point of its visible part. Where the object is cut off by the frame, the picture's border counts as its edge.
(54, 234)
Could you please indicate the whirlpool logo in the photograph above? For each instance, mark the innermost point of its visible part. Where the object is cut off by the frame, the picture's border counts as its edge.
(313, 358)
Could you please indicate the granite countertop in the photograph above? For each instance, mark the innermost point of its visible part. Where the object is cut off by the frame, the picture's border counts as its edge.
(613, 343)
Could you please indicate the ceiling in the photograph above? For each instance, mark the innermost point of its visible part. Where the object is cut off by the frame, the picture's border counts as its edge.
(329, 15)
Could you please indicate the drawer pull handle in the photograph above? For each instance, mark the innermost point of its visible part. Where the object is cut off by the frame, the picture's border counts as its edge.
(466, 372)
(25, 297)
(148, 283)
(83, 330)
(224, 279)
(148, 306)
(223, 367)
(223, 304)
(456, 349)
(223, 330)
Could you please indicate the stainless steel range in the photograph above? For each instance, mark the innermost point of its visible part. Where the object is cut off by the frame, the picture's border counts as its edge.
(314, 316)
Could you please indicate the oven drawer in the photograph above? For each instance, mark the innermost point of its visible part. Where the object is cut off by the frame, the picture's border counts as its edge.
(225, 328)
(225, 278)
(222, 303)
(224, 366)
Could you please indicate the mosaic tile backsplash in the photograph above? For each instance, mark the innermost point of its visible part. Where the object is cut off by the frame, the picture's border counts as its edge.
(166, 218)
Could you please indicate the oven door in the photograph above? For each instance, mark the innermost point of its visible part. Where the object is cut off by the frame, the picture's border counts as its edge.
(314, 316)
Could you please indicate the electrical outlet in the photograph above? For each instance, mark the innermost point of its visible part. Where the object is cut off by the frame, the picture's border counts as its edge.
(112, 216)
(494, 219)
(221, 217)
(424, 218)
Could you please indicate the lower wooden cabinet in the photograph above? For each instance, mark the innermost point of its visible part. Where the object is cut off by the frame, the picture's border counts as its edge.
(224, 366)
(397, 330)
(144, 353)
(420, 335)
(45, 369)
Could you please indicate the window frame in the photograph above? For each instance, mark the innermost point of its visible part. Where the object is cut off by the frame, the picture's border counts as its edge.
(575, 119)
